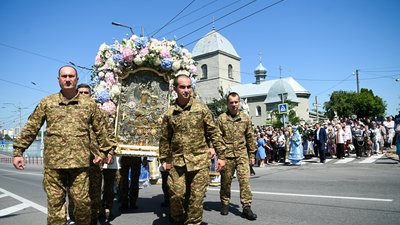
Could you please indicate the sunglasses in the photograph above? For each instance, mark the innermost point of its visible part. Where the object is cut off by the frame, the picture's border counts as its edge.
(84, 92)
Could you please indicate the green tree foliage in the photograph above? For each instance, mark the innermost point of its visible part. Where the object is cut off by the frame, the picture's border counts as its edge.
(218, 106)
(7, 137)
(347, 103)
(293, 118)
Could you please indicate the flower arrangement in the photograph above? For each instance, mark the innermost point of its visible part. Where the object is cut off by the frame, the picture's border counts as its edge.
(113, 60)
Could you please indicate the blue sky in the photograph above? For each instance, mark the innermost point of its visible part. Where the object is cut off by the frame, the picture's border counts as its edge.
(318, 42)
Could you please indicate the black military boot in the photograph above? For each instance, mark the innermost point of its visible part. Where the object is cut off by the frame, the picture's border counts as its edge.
(248, 214)
(224, 210)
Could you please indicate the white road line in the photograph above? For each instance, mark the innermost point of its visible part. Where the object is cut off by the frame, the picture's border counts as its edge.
(26, 201)
(13, 209)
(3, 195)
(313, 196)
(345, 160)
(22, 172)
(371, 159)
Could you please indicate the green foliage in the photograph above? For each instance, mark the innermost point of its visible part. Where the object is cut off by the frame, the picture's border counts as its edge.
(293, 119)
(7, 137)
(346, 103)
(218, 106)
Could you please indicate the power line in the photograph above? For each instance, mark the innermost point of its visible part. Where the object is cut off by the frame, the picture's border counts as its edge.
(173, 18)
(335, 85)
(214, 21)
(25, 86)
(252, 14)
(199, 18)
(33, 53)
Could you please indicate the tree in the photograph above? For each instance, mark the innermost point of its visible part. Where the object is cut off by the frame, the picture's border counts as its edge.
(340, 104)
(218, 106)
(347, 103)
(291, 116)
(7, 137)
(367, 104)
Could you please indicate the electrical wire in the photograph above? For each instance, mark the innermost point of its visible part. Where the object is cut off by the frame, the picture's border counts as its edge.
(33, 53)
(199, 18)
(25, 86)
(236, 21)
(173, 18)
(345, 79)
(241, 7)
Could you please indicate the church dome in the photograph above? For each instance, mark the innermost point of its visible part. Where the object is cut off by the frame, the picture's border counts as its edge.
(260, 69)
(211, 42)
(277, 89)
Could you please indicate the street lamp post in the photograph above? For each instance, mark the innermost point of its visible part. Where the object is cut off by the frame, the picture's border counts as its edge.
(122, 25)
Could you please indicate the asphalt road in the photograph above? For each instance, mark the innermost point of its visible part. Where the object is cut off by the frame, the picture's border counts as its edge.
(338, 192)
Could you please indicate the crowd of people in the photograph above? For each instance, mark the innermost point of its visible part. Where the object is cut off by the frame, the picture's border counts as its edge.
(337, 139)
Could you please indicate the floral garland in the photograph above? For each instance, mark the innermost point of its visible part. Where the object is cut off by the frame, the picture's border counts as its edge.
(112, 60)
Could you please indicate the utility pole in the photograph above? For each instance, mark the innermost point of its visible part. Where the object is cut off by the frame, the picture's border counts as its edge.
(358, 82)
(316, 107)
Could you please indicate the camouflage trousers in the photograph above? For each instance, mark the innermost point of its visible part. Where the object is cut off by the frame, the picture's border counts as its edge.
(95, 180)
(56, 182)
(191, 185)
(241, 165)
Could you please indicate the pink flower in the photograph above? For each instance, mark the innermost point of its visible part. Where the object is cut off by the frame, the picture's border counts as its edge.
(98, 60)
(101, 74)
(143, 52)
(108, 107)
(110, 79)
(165, 54)
(127, 53)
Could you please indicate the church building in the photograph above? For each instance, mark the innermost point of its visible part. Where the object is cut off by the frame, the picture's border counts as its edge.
(219, 68)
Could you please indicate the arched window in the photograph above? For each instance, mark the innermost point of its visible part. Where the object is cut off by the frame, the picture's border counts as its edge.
(230, 71)
(258, 110)
(204, 71)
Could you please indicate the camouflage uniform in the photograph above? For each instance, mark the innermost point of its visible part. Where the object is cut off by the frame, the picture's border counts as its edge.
(66, 151)
(240, 143)
(95, 180)
(183, 144)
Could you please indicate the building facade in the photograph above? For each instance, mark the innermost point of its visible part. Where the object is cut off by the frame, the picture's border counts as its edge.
(219, 68)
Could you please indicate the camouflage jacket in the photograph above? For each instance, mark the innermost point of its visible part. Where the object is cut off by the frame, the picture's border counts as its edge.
(67, 137)
(184, 133)
(238, 135)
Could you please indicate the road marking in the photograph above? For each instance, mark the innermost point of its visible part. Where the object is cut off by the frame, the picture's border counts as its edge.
(345, 160)
(13, 209)
(24, 201)
(371, 159)
(21, 172)
(313, 196)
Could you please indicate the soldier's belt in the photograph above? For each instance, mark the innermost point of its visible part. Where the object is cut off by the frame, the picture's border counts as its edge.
(137, 150)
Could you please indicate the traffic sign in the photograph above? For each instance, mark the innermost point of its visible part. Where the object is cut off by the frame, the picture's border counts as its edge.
(283, 108)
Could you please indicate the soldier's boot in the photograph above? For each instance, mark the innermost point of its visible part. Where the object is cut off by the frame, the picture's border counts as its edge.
(224, 209)
(248, 214)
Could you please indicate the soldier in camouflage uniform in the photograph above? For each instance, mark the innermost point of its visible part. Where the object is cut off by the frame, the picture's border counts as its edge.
(69, 117)
(183, 150)
(237, 133)
(95, 174)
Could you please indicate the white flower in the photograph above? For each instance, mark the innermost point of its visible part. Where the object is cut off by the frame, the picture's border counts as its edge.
(176, 65)
(137, 60)
(103, 47)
